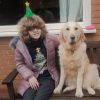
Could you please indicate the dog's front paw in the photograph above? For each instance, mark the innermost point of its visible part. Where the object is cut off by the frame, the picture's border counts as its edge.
(91, 91)
(57, 90)
(79, 94)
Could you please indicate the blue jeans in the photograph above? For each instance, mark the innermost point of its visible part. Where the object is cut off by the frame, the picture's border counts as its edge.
(45, 90)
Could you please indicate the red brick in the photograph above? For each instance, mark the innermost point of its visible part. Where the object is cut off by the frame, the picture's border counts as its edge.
(96, 7)
(96, 20)
(96, 14)
(95, 1)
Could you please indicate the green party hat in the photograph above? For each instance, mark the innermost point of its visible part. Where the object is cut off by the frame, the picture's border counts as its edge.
(28, 13)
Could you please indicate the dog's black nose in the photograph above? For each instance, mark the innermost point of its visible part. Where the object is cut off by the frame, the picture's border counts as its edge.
(72, 37)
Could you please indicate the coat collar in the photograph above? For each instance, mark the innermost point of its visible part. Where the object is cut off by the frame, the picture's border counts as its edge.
(23, 49)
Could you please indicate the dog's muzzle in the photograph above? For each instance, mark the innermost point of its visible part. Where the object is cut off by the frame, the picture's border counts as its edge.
(72, 38)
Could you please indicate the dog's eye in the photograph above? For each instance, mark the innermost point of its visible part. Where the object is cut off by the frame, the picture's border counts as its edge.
(67, 28)
(76, 28)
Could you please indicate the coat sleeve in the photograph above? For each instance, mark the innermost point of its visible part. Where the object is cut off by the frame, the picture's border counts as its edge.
(22, 68)
(55, 40)
(55, 69)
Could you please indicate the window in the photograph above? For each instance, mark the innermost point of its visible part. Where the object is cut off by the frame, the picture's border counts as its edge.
(54, 12)
(71, 10)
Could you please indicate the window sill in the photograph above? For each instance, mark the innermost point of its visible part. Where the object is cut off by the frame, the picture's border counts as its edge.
(10, 31)
(11, 34)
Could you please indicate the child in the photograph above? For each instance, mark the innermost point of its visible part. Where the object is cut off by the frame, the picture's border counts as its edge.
(35, 59)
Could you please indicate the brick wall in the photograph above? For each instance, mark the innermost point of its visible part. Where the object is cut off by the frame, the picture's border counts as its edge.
(7, 58)
(7, 63)
(95, 20)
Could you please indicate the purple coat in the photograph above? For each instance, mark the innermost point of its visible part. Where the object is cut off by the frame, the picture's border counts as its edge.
(24, 62)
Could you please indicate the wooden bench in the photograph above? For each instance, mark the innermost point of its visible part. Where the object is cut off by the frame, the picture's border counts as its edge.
(93, 52)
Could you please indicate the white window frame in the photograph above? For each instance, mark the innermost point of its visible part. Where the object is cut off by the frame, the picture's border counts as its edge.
(11, 30)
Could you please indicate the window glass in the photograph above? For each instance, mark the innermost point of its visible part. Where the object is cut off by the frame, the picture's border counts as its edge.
(10, 11)
(71, 10)
(52, 11)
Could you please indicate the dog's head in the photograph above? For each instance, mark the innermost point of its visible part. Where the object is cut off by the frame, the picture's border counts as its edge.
(71, 33)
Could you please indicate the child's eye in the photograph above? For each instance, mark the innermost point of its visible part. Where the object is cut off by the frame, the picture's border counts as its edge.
(67, 28)
(76, 28)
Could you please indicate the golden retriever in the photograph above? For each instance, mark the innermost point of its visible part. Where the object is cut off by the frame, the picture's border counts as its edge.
(76, 72)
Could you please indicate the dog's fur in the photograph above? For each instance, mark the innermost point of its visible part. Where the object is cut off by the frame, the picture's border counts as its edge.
(76, 72)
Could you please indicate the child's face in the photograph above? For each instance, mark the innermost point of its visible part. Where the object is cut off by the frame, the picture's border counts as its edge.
(35, 33)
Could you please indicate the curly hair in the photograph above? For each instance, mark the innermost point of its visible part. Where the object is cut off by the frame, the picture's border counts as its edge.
(25, 24)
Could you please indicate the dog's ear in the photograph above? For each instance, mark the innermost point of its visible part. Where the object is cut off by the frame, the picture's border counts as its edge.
(61, 37)
(82, 37)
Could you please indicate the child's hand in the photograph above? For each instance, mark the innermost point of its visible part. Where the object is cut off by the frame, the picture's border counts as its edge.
(34, 83)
